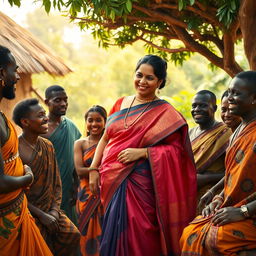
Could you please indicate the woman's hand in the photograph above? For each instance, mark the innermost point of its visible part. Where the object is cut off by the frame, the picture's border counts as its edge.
(94, 181)
(205, 199)
(227, 215)
(211, 208)
(131, 154)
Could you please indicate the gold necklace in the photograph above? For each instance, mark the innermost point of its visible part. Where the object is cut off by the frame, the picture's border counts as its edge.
(126, 126)
(28, 144)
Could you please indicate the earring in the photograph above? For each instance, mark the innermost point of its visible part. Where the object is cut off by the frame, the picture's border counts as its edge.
(158, 91)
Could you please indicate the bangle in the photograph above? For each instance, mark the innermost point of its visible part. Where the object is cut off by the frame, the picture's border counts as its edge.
(218, 198)
(146, 154)
(32, 176)
(210, 191)
(93, 169)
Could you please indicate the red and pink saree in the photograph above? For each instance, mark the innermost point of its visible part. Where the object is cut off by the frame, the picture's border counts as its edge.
(147, 203)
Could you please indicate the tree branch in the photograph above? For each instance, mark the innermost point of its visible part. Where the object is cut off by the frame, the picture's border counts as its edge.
(182, 49)
(160, 16)
(210, 16)
(229, 55)
(196, 47)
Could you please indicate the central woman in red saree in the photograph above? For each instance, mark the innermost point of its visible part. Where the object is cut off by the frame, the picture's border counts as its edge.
(147, 173)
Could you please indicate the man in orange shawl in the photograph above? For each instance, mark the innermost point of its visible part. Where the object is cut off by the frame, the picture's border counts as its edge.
(228, 223)
(19, 235)
(44, 196)
(209, 141)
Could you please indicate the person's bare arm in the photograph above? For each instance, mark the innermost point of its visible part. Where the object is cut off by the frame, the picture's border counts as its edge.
(99, 151)
(94, 174)
(208, 178)
(208, 196)
(10, 183)
(81, 170)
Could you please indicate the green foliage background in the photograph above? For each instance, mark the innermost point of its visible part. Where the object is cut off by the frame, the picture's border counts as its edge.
(102, 76)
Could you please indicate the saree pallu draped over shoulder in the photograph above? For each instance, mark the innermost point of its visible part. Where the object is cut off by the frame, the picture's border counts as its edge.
(147, 203)
(201, 238)
(19, 235)
(209, 146)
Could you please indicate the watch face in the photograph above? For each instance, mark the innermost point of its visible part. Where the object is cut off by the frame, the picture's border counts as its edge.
(244, 210)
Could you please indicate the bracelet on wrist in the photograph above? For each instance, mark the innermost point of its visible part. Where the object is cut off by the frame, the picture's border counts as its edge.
(218, 198)
(210, 191)
(93, 169)
(30, 174)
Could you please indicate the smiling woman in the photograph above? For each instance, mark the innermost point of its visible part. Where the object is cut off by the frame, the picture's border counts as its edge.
(147, 174)
(88, 207)
(232, 121)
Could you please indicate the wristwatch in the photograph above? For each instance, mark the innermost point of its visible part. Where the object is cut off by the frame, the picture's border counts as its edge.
(244, 211)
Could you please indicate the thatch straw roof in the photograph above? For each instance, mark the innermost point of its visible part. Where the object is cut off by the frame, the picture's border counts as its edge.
(31, 55)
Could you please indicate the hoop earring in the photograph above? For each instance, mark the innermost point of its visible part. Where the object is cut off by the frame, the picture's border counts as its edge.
(158, 91)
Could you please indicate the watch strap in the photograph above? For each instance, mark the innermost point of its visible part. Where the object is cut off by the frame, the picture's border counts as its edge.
(244, 211)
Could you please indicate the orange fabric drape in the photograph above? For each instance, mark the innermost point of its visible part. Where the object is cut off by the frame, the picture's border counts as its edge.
(201, 238)
(19, 235)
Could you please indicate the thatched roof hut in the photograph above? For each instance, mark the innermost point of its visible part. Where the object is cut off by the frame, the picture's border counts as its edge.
(31, 55)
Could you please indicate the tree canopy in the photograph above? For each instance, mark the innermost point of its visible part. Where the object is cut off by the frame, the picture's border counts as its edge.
(175, 29)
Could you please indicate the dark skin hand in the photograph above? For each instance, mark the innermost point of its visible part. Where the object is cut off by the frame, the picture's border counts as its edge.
(211, 208)
(208, 196)
(10, 183)
(227, 215)
(232, 214)
(55, 214)
(47, 219)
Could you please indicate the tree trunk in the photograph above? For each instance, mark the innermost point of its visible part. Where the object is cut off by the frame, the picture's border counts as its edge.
(247, 18)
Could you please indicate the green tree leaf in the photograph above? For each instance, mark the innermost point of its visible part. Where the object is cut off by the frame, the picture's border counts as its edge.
(129, 5)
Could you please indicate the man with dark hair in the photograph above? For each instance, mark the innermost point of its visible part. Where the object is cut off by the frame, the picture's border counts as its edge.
(209, 141)
(63, 133)
(228, 224)
(19, 235)
(44, 195)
